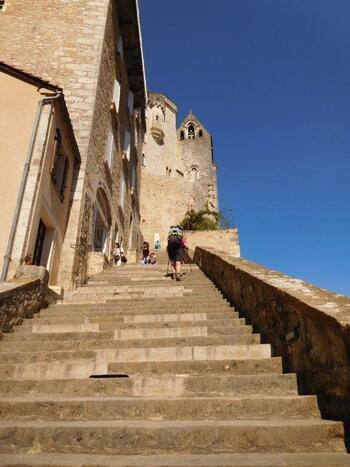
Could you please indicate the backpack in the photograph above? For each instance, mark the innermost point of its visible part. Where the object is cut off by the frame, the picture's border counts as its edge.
(174, 242)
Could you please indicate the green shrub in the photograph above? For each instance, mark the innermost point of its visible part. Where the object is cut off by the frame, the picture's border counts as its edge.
(204, 219)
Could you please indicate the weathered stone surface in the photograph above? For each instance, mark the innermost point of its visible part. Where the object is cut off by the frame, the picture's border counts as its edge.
(225, 239)
(308, 326)
(23, 296)
(151, 380)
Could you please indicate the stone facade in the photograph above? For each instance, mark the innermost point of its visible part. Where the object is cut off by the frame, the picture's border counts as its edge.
(93, 51)
(225, 240)
(178, 172)
(41, 163)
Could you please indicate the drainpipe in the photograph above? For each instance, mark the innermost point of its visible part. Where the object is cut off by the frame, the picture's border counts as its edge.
(26, 168)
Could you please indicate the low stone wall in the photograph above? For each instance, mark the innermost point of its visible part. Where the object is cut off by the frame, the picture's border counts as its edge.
(23, 296)
(306, 325)
(226, 240)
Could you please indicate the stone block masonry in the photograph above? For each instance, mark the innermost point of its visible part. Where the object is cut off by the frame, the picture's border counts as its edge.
(188, 382)
(308, 326)
(75, 45)
(22, 297)
(226, 240)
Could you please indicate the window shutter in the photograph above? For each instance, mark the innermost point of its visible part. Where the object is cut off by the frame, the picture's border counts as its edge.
(131, 101)
(116, 95)
(109, 148)
(127, 140)
(122, 192)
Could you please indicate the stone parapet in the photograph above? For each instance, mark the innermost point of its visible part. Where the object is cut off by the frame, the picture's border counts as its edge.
(23, 296)
(306, 325)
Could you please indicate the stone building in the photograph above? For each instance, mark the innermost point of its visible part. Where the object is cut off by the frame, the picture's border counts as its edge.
(178, 172)
(92, 52)
(40, 163)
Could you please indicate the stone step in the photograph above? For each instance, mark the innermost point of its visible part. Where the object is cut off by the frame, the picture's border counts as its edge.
(95, 298)
(101, 291)
(105, 313)
(141, 322)
(111, 360)
(180, 460)
(130, 317)
(167, 354)
(146, 280)
(193, 367)
(173, 302)
(166, 385)
(84, 367)
(56, 370)
(130, 285)
(25, 333)
(62, 307)
(157, 437)
(140, 408)
(74, 350)
(215, 336)
(83, 341)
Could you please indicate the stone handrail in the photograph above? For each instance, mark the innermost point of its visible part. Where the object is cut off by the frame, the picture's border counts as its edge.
(306, 325)
(23, 296)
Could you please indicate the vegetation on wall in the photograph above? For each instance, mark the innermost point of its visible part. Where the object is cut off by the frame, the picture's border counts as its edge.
(204, 219)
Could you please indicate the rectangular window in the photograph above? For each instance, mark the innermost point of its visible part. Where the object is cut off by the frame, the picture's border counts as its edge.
(110, 149)
(131, 101)
(120, 47)
(2, 5)
(122, 192)
(127, 141)
(116, 95)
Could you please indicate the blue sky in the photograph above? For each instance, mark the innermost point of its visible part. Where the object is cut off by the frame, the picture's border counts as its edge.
(270, 80)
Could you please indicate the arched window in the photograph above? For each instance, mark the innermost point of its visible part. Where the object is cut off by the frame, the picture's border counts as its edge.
(194, 173)
(102, 222)
(191, 131)
(200, 133)
(182, 135)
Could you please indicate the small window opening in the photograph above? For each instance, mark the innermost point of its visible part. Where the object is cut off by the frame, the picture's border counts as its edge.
(182, 135)
(143, 160)
(190, 131)
(59, 172)
(2, 4)
(200, 133)
(194, 173)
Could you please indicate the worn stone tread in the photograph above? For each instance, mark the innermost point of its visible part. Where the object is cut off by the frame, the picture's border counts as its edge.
(180, 460)
(152, 425)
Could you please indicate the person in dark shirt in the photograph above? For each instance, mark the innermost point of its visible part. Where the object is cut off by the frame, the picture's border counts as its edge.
(145, 252)
(175, 249)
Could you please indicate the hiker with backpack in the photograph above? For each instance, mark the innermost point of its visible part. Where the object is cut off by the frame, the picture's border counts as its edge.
(175, 249)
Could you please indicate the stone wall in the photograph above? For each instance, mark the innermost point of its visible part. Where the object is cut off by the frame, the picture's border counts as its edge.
(23, 296)
(75, 45)
(164, 202)
(197, 158)
(226, 240)
(308, 326)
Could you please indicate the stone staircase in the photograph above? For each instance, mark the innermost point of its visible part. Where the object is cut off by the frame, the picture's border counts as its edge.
(136, 369)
